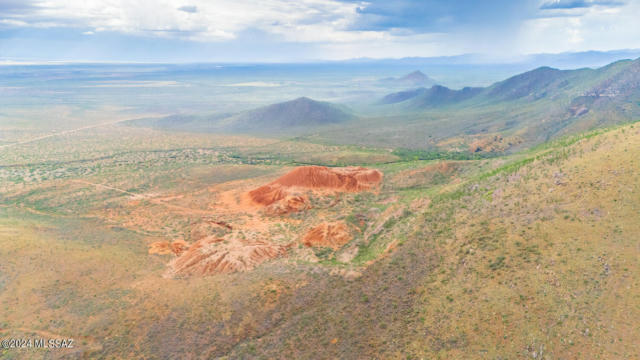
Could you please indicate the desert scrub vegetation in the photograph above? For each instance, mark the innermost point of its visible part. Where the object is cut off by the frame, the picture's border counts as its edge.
(413, 155)
(531, 255)
(390, 231)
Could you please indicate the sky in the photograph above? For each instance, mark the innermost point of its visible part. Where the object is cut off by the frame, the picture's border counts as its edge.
(307, 30)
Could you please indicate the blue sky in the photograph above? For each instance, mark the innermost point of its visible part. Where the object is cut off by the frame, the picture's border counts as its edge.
(283, 30)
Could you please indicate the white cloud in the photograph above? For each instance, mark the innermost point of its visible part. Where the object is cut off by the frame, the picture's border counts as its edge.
(218, 20)
(14, 22)
(595, 28)
(324, 29)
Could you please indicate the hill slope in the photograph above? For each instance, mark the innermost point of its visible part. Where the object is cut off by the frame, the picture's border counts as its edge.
(436, 96)
(299, 113)
(533, 259)
(302, 114)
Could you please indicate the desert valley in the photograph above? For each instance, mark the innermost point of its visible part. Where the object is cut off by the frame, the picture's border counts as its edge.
(319, 179)
(284, 232)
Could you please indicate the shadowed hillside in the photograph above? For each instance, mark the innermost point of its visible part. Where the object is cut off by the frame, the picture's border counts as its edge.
(436, 96)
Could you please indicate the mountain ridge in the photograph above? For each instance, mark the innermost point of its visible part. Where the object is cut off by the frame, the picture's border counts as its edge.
(297, 113)
(541, 82)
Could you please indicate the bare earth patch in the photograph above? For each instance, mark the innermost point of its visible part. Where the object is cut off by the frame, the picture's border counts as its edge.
(284, 192)
(242, 228)
(333, 235)
(210, 256)
(165, 247)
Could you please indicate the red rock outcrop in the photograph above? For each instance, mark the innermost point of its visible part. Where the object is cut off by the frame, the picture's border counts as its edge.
(333, 235)
(348, 179)
(210, 256)
(290, 204)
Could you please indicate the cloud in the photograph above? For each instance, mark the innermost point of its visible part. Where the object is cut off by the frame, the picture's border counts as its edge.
(421, 16)
(189, 9)
(287, 30)
(9, 7)
(579, 4)
(218, 20)
(596, 28)
(13, 22)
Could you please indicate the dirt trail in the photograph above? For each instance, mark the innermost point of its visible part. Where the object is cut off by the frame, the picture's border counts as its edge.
(150, 198)
(215, 253)
(136, 196)
(65, 132)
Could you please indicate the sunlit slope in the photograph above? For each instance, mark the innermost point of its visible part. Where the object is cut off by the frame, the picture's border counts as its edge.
(542, 259)
(537, 258)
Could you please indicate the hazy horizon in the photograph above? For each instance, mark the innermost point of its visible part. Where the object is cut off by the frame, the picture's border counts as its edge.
(464, 58)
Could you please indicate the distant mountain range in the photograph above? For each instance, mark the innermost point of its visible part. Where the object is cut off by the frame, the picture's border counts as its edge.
(582, 90)
(520, 111)
(567, 60)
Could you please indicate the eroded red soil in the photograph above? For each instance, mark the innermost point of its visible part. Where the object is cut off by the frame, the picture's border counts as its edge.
(284, 194)
(239, 228)
(212, 255)
(333, 235)
(165, 247)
